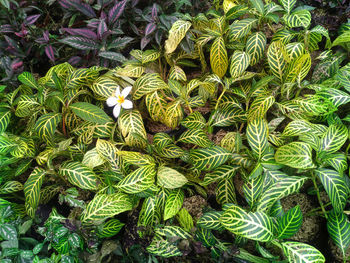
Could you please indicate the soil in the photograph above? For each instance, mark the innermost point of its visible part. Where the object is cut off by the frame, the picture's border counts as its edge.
(194, 205)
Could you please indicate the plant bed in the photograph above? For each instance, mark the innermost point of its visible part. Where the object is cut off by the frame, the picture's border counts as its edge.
(230, 143)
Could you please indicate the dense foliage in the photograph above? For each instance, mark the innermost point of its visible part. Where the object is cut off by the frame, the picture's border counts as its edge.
(243, 106)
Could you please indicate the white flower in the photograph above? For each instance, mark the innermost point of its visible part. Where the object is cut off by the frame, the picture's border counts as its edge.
(118, 101)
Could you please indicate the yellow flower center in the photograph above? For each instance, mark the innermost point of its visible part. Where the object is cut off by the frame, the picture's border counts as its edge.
(120, 99)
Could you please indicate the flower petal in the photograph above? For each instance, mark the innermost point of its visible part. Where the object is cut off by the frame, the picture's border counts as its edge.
(126, 91)
(117, 91)
(127, 104)
(116, 111)
(111, 101)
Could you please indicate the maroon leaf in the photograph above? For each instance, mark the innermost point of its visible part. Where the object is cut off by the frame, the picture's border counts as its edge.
(16, 65)
(50, 52)
(102, 28)
(81, 43)
(30, 20)
(84, 8)
(116, 11)
(6, 28)
(144, 42)
(81, 32)
(154, 12)
(150, 28)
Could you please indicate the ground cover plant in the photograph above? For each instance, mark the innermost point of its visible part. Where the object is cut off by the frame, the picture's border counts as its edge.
(188, 150)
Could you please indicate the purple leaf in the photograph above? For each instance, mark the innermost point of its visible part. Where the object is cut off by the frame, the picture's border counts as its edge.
(81, 32)
(120, 42)
(74, 60)
(102, 29)
(30, 20)
(22, 33)
(50, 52)
(12, 44)
(134, 3)
(154, 12)
(6, 28)
(144, 42)
(112, 55)
(41, 40)
(84, 8)
(149, 28)
(116, 11)
(46, 35)
(81, 43)
(65, 4)
(103, 15)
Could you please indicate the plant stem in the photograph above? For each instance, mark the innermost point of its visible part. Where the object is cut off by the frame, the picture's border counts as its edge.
(313, 177)
(219, 99)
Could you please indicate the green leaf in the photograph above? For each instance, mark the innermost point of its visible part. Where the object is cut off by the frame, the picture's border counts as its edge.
(176, 34)
(108, 152)
(185, 219)
(210, 220)
(221, 172)
(260, 106)
(148, 83)
(8, 232)
(110, 228)
(5, 116)
(337, 161)
(284, 186)
(227, 116)
(289, 223)
(300, 18)
(11, 187)
(302, 253)
(173, 203)
(288, 5)
(258, 5)
(195, 136)
(239, 63)
(225, 191)
(79, 175)
(335, 186)
(194, 121)
(90, 112)
(92, 159)
(139, 180)
(81, 76)
(338, 227)
(136, 158)
(343, 38)
(296, 155)
(104, 87)
(46, 125)
(334, 138)
(177, 73)
(257, 134)
(209, 158)
(130, 124)
(28, 79)
(276, 57)
(337, 97)
(252, 190)
(172, 231)
(104, 206)
(170, 178)
(218, 57)
(32, 190)
(163, 248)
(156, 106)
(301, 127)
(256, 226)
(255, 47)
(241, 28)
